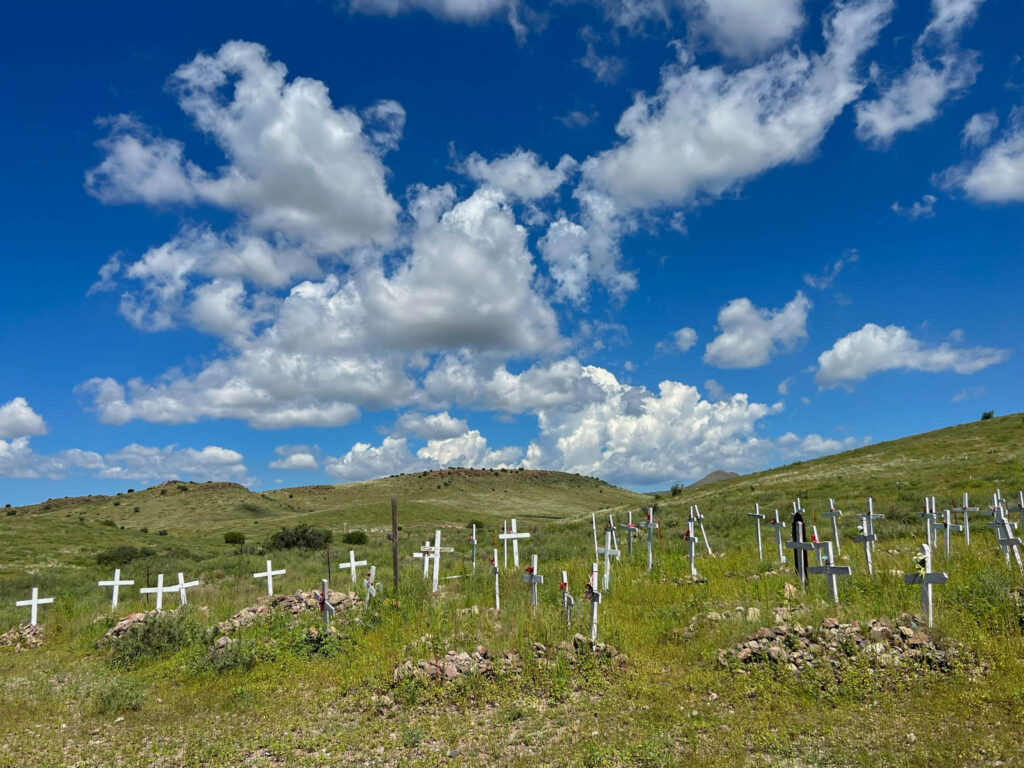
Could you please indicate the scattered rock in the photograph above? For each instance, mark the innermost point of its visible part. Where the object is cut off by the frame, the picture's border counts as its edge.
(23, 637)
(294, 604)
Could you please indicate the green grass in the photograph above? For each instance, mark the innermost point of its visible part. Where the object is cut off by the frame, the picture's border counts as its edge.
(278, 699)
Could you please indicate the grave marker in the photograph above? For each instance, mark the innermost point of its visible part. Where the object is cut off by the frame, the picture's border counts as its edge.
(777, 523)
(651, 526)
(630, 530)
(424, 555)
(472, 541)
(800, 548)
(323, 600)
(615, 539)
(269, 575)
(948, 527)
(593, 526)
(567, 599)
(1005, 538)
(34, 602)
(758, 517)
(868, 537)
(835, 514)
(930, 516)
(514, 537)
(494, 570)
(966, 510)
(159, 591)
(609, 552)
(116, 583)
(351, 565)
(435, 555)
(591, 594)
(533, 578)
(690, 537)
(182, 586)
(829, 570)
(695, 512)
(1020, 508)
(368, 584)
(926, 578)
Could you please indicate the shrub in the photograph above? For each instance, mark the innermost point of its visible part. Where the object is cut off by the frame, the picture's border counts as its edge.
(137, 510)
(987, 415)
(183, 488)
(158, 635)
(477, 523)
(117, 503)
(143, 530)
(131, 490)
(304, 536)
(163, 491)
(122, 555)
(109, 523)
(162, 533)
(234, 537)
(11, 512)
(677, 489)
(116, 695)
(355, 537)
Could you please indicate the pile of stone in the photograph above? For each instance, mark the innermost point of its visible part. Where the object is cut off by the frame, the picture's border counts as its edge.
(753, 613)
(294, 604)
(127, 623)
(23, 637)
(832, 644)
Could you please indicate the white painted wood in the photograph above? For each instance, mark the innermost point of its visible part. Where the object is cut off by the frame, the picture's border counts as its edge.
(269, 575)
(926, 578)
(514, 536)
(650, 526)
(323, 598)
(690, 537)
(533, 578)
(867, 535)
(182, 587)
(778, 524)
(608, 552)
(595, 597)
(798, 544)
(369, 584)
(965, 509)
(758, 517)
(829, 569)
(834, 513)
(116, 583)
(34, 602)
(703, 533)
(494, 570)
(159, 591)
(352, 565)
(630, 530)
(567, 599)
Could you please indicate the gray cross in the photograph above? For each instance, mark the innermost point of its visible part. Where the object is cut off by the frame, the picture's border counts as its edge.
(609, 552)
(966, 510)
(326, 609)
(777, 523)
(948, 527)
(630, 530)
(835, 514)
(533, 578)
(798, 544)
(1020, 508)
(594, 597)
(829, 570)
(368, 584)
(651, 526)
(758, 517)
(868, 537)
(695, 512)
(926, 578)
(1005, 538)
(567, 599)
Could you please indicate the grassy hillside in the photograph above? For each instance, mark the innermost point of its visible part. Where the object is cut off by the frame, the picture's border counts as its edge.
(280, 697)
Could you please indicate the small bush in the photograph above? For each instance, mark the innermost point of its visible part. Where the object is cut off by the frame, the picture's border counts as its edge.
(478, 523)
(234, 537)
(143, 530)
(131, 490)
(162, 533)
(163, 491)
(987, 415)
(300, 536)
(117, 503)
(11, 512)
(108, 523)
(677, 489)
(235, 656)
(122, 555)
(158, 635)
(183, 488)
(137, 510)
(116, 695)
(355, 537)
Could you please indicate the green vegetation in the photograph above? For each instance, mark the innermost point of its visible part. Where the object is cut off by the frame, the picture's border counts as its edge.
(285, 693)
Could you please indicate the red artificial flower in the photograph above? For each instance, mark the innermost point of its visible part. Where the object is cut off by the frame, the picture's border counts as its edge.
(563, 586)
(529, 569)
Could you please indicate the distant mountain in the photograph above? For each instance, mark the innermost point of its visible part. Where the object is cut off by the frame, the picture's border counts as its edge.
(715, 477)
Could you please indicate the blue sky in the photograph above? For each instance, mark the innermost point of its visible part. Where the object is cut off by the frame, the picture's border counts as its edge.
(305, 242)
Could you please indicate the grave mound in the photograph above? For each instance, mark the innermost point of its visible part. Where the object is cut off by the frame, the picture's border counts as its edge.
(23, 637)
(295, 604)
(882, 645)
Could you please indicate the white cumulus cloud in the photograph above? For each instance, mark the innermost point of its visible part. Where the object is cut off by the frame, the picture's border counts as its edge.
(17, 419)
(749, 336)
(997, 174)
(745, 29)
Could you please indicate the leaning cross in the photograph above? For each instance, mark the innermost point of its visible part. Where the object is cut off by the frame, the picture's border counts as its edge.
(323, 600)
(690, 537)
(777, 523)
(966, 510)
(868, 537)
(184, 585)
(609, 552)
(695, 513)
(1005, 538)
(835, 514)
(758, 517)
(567, 600)
(533, 578)
(829, 570)
(1020, 508)
(368, 584)
(116, 583)
(594, 597)
(798, 544)
(352, 564)
(269, 575)
(159, 590)
(34, 604)
(514, 537)
(651, 527)
(630, 530)
(948, 527)
(615, 539)
(926, 578)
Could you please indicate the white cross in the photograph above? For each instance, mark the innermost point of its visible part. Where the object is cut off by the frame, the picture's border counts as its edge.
(593, 527)
(514, 537)
(651, 526)
(930, 516)
(567, 599)
(829, 570)
(533, 578)
(159, 591)
(816, 541)
(695, 512)
(269, 575)
(504, 530)
(609, 552)
(615, 539)
(777, 523)
(834, 514)
(435, 555)
(690, 537)
(594, 597)
(966, 510)
(1020, 508)
(472, 540)
(424, 555)
(116, 583)
(868, 537)
(926, 578)
(630, 530)
(35, 602)
(948, 527)
(352, 564)
(494, 570)
(1005, 538)
(323, 599)
(184, 585)
(758, 517)
(368, 584)
(798, 544)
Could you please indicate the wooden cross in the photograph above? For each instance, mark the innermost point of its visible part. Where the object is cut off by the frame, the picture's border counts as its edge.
(948, 527)
(567, 599)
(435, 556)
(1020, 508)
(472, 541)
(690, 537)
(494, 570)
(868, 537)
(966, 510)
(930, 516)
(651, 526)
(799, 544)
(533, 578)
(369, 586)
(159, 590)
(269, 575)
(926, 578)
(835, 514)
(695, 512)
(609, 552)
(593, 527)
(514, 537)
(504, 530)
(630, 530)
(615, 539)
(829, 570)
(182, 586)
(816, 541)
(323, 599)
(424, 555)
(351, 565)
(758, 517)
(1005, 538)
(34, 604)
(777, 523)
(591, 594)
(116, 583)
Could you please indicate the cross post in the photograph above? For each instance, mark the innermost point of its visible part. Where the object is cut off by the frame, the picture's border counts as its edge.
(567, 599)
(494, 570)
(829, 570)
(965, 509)
(609, 552)
(777, 523)
(351, 565)
(630, 530)
(594, 597)
(651, 527)
(798, 544)
(34, 604)
(690, 537)
(835, 514)
(868, 537)
(514, 536)
(926, 578)
(533, 578)
(695, 512)
(269, 575)
(368, 584)
(758, 517)
(182, 586)
(116, 583)
(323, 599)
